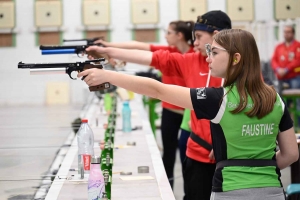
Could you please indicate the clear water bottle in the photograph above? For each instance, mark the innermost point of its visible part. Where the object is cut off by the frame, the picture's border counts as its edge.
(85, 140)
(126, 117)
(96, 184)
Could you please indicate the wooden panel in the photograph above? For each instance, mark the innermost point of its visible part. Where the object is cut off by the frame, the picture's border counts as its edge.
(145, 35)
(93, 34)
(6, 40)
(49, 38)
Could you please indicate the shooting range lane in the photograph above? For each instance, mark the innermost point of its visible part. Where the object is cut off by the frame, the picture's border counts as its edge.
(30, 138)
(153, 185)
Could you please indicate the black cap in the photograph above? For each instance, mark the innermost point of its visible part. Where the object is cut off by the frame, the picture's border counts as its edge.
(213, 20)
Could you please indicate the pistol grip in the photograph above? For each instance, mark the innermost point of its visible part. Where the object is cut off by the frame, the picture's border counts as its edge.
(103, 86)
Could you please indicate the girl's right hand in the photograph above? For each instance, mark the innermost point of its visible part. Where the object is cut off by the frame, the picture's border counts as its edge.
(96, 52)
(102, 42)
(93, 76)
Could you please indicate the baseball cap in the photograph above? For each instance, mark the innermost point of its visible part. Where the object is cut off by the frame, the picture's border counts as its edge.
(213, 20)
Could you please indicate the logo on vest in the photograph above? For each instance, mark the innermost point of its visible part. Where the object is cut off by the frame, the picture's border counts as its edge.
(201, 93)
(235, 105)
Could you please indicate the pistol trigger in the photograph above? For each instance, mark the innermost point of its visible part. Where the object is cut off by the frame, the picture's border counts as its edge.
(69, 71)
(71, 77)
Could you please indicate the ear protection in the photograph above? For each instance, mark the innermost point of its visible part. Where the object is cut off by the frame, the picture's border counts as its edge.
(235, 60)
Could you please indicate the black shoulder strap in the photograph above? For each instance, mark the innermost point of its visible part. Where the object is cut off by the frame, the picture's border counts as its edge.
(200, 141)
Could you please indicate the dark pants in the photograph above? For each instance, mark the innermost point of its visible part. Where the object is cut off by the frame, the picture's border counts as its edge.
(184, 136)
(198, 179)
(170, 125)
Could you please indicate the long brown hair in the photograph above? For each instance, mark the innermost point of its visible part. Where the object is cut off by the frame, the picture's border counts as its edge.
(247, 73)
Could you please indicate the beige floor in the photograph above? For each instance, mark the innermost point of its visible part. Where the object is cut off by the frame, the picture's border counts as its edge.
(30, 139)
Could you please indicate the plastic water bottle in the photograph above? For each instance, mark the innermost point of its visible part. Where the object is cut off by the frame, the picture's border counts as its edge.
(126, 117)
(85, 139)
(96, 184)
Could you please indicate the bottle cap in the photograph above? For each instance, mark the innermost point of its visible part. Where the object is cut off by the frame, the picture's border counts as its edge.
(95, 160)
(104, 195)
(126, 103)
(84, 120)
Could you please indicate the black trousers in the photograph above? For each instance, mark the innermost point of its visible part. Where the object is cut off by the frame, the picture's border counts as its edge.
(184, 136)
(170, 126)
(198, 179)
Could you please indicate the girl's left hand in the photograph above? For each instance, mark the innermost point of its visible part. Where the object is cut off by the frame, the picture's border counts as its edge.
(211, 155)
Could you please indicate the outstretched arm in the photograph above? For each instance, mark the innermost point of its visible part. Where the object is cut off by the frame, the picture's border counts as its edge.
(126, 45)
(173, 94)
(134, 56)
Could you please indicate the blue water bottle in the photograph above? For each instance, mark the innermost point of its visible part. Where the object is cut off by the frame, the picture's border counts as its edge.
(126, 116)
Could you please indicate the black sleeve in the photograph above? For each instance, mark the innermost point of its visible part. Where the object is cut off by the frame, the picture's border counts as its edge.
(286, 121)
(206, 101)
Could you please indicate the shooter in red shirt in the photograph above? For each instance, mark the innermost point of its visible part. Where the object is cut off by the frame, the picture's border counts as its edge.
(200, 164)
(179, 39)
(286, 59)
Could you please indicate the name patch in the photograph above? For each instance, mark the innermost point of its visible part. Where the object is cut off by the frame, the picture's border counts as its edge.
(257, 129)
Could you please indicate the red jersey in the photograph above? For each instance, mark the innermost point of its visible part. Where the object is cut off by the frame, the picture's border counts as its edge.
(172, 80)
(193, 68)
(287, 58)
